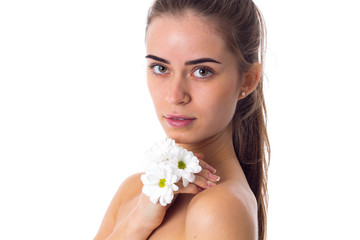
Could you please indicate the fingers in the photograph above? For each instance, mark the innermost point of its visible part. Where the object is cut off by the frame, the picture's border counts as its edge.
(208, 172)
(206, 166)
(199, 156)
(203, 164)
(208, 176)
(200, 184)
(191, 188)
(203, 180)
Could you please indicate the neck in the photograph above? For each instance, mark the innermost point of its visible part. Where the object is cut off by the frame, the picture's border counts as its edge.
(218, 152)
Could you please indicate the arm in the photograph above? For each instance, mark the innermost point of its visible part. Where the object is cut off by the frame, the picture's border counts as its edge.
(129, 224)
(133, 225)
(109, 220)
(131, 214)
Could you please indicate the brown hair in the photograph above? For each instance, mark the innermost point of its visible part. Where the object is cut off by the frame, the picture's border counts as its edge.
(242, 27)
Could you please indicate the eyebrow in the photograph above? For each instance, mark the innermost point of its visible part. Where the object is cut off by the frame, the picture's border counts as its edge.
(191, 62)
(201, 60)
(157, 59)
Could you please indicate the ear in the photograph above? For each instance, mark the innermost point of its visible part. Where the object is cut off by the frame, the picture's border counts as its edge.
(251, 80)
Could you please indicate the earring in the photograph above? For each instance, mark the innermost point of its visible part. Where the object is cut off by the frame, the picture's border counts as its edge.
(243, 94)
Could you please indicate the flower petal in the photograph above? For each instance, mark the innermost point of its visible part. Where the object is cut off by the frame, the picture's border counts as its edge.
(164, 158)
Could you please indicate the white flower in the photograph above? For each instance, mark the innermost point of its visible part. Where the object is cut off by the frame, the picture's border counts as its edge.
(159, 184)
(160, 151)
(168, 163)
(186, 164)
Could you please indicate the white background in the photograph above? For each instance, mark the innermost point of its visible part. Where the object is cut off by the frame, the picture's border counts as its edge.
(76, 117)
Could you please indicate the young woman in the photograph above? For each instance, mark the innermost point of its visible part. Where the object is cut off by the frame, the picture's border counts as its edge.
(205, 78)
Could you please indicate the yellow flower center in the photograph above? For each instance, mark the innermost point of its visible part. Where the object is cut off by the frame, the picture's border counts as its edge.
(162, 182)
(181, 165)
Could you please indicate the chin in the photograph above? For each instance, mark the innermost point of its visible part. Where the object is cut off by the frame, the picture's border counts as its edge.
(184, 137)
(180, 139)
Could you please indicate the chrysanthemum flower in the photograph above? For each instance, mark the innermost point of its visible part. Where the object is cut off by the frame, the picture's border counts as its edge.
(167, 164)
(160, 151)
(186, 164)
(159, 184)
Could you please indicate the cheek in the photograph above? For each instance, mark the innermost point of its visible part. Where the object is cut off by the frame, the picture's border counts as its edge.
(150, 88)
(220, 102)
(156, 92)
(224, 109)
(153, 87)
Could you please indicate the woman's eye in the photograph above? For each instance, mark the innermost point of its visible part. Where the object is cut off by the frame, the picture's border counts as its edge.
(159, 69)
(202, 72)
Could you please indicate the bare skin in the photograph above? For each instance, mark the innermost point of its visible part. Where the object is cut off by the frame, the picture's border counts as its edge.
(206, 92)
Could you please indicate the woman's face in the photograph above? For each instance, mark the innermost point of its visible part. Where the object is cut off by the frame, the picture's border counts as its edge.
(192, 77)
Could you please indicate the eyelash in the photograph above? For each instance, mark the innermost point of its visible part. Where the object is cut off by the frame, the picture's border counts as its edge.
(211, 72)
(153, 65)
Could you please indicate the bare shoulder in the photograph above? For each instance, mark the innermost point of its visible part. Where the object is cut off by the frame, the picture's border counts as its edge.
(131, 186)
(226, 211)
(129, 189)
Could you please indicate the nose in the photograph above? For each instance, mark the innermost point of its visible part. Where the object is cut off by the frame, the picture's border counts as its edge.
(178, 92)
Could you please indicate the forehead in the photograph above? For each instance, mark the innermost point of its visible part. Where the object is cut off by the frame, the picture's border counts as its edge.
(185, 37)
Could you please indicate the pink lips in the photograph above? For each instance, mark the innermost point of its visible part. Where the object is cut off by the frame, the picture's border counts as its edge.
(178, 121)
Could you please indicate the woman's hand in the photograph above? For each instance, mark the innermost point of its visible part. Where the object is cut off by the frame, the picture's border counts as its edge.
(153, 214)
(203, 180)
(146, 216)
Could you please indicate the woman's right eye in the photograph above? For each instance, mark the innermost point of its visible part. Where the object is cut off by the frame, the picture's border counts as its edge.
(159, 69)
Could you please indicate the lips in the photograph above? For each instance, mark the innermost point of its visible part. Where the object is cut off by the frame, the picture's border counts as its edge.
(178, 121)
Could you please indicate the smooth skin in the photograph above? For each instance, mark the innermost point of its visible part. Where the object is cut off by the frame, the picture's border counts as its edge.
(192, 73)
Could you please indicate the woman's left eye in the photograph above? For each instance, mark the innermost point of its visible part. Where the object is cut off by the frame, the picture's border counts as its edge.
(159, 69)
(202, 72)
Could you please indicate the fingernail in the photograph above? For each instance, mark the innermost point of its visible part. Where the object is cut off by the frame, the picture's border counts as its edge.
(214, 178)
(210, 168)
(210, 184)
